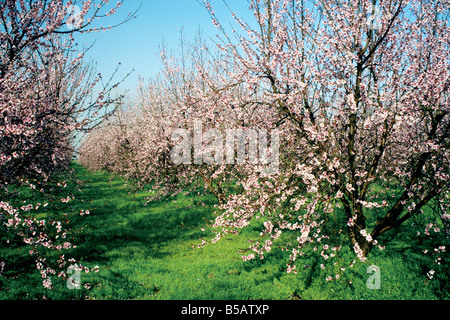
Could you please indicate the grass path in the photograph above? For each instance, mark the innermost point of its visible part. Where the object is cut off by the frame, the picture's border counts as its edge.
(145, 251)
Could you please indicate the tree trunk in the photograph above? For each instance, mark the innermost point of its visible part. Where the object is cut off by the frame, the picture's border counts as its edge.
(354, 231)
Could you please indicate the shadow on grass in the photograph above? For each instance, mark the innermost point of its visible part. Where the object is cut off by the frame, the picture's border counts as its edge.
(120, 223)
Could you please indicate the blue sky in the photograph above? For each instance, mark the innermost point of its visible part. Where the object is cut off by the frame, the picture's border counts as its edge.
(135, 44)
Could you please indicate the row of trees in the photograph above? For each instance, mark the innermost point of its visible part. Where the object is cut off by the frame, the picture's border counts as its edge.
(48, 93)
(359, 90)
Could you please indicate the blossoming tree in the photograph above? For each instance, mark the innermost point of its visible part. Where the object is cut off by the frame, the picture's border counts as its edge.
(365, 109)
(47, 95)
(358, 90)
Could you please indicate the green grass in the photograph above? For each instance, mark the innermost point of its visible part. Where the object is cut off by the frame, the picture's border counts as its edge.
(146, 252)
